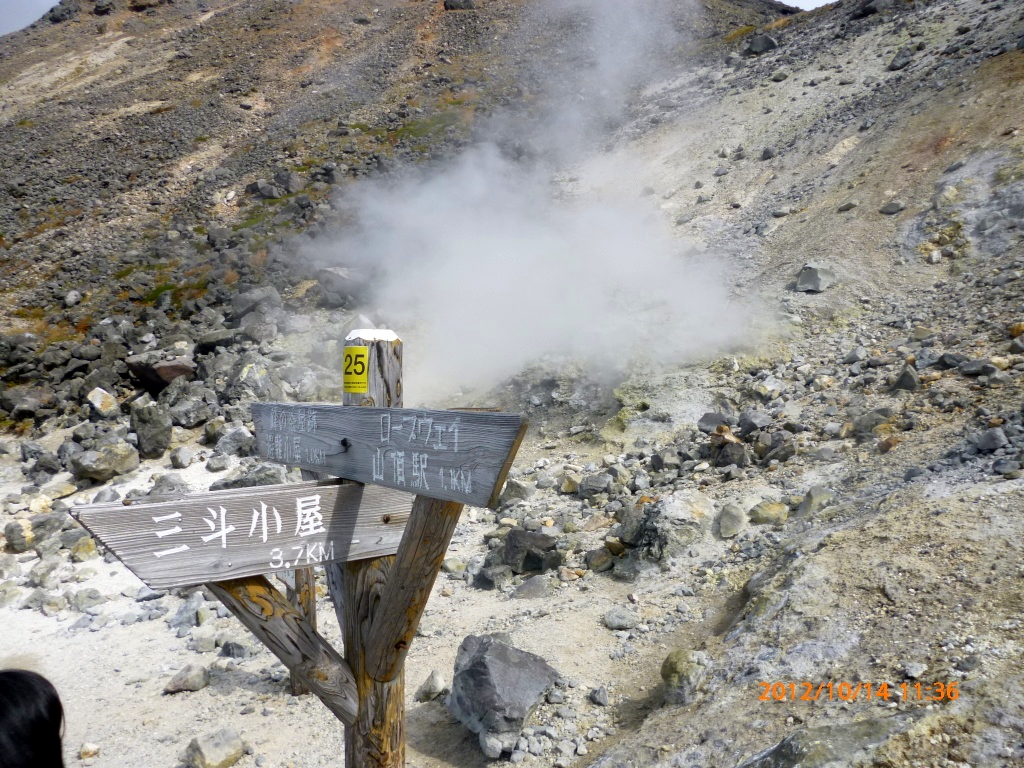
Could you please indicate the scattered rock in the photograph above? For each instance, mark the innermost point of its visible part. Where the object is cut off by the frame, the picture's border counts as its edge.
(621, 618)
(850, 743)
(151, 423)
(816, 499)
(192, 677)
(769, 513)
(103, 403)
(731, 521)
(902, 59)
(236, 441)
(892, 207)
(106, 462)
(216, 750)
(182, 456)
(434, 686)
(759, 44)
(683, 671)
(815, 278)
(908, 380)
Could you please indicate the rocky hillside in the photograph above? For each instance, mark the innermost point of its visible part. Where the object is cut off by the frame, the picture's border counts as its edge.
(824, 492)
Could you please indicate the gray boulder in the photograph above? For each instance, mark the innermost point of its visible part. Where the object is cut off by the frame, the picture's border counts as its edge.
(620, 617)
(434, 686)
(151, 422)
(154, 370)
(851, 743)
(517, 490)
(25, 534)
(683, 671)
(216, 750)
(526, 551)
(191, 677)
(759, 44)
(991, 440)
(495, 689)
(591, 485)
(731, 520)
(902, 59)
(815, 278)
(247, 477)
(106, 462)
(459, 5)
(246, 302)
(290, 181)
(236, 441)
(908, 380)
(103, 403)
(870, 7)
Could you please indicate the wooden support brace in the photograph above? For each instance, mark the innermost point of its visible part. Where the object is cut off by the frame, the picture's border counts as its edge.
(278, 625)
(404, 597)
(303, 599)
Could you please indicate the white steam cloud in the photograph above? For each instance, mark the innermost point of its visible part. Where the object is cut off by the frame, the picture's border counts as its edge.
(487, 264)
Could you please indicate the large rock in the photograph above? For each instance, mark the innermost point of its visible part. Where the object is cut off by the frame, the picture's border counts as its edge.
(683, 671)
(759, 44)
(246, 302)
(191, 677)
(670, 526)
(530, 551)
(106, 462)
(103, 403)
(253, 377)
(620, 617)
(25, 534)
(247, 477)
(459, 5)
(495, 688)
(517, 490)
(870, 7)
(236, 441)
(832, 745)
(902, 59)
(216, 750)
(151, 422)
(731, 520)
(155, 370)
(815, 278)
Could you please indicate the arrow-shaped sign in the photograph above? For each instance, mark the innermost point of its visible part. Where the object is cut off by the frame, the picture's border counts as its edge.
(229, 534)
(461, 456)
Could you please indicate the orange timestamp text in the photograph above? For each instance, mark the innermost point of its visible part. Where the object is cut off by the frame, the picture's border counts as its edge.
(862, 691)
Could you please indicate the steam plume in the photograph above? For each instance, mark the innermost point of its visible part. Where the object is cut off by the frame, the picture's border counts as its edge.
(488, 263)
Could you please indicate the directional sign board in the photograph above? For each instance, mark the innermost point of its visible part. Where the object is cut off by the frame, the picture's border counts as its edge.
(221, 535)
(460, 456)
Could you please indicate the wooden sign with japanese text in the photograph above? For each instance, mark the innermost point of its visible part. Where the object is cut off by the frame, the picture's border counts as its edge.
(460, 456)
(229, 534)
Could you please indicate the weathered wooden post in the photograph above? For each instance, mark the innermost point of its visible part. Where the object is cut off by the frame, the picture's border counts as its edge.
(372, 367)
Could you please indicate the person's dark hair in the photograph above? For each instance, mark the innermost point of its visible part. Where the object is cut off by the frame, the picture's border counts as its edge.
(31, 721)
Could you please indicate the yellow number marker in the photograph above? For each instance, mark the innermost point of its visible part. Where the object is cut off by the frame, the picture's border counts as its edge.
(357, 370)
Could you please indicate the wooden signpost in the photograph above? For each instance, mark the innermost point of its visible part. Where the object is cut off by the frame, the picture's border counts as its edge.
(380, 547)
